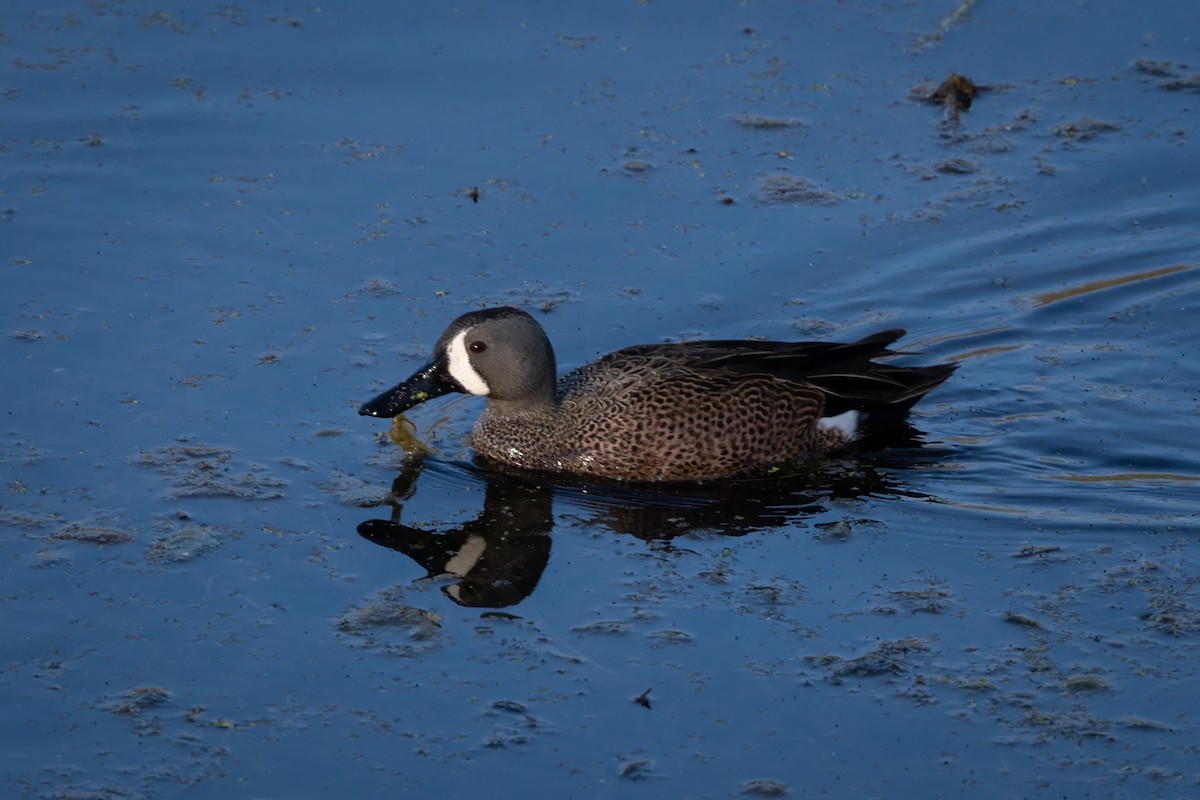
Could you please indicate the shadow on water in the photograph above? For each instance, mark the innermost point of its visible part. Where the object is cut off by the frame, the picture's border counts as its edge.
(499, 556)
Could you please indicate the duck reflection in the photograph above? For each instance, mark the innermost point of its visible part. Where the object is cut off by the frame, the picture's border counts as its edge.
(498, 558)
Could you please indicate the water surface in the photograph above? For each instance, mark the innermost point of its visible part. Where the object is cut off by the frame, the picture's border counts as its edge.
(225, 228)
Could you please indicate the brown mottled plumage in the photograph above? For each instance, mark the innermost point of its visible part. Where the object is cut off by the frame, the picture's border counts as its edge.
(661, 412)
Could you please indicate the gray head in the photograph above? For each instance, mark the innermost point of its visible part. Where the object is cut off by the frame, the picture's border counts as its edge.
(499, 353)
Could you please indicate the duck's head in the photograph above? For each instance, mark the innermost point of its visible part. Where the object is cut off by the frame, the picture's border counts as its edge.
(498, 353)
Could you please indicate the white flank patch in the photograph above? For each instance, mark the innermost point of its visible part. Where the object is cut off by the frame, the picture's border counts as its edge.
(460, 366)
(845, 423)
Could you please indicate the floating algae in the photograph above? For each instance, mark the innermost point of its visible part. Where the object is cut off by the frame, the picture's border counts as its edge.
(403, 434)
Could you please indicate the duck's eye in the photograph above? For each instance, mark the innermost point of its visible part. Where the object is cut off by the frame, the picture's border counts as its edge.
(477, 347)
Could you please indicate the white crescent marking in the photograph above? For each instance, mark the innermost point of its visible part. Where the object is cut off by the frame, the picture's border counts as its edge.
(460, 366)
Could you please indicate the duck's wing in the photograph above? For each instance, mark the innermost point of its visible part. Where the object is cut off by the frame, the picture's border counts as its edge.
(844, 372)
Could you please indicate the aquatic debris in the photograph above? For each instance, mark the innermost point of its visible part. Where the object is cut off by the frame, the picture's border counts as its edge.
(76, 532)
(790, 189)
(886, 658)
(607, 627)
(1084, 128)
(1072, 723)
(1158, 69)
(387, 624)
(764, 788)
(638, 770)
(352, 491)
(1085, 683)
(956, 90)
(955, 95)
(138, 699)
(643, 699)
(955, 166)
(1021, 619)
(771, 595)
(203, 471)
(842, 529)
(577, 42)
(139, 706)
(510, 706)
(508, 737)
(763, 122)
(1030, 550)
(1170, 72)
(1143, 724)
(636, 167)
(249, 486)
(199, 455)
(28, 522)
(508, 734)
(385, 614)
(186, 544)
(1172, 616)
(669, 637)
(930, 600)
(378, 287)
(955, 17)
(1189, 84)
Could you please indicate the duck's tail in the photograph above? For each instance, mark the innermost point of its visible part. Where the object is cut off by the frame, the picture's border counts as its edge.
(882, 394)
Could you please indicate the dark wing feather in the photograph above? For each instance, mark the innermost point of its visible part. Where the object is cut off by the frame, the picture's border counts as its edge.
(844, 372)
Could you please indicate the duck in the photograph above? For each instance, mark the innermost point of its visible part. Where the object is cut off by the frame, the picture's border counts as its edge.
(693, 411)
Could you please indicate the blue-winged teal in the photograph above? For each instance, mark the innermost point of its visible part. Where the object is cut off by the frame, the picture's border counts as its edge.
(661, 412)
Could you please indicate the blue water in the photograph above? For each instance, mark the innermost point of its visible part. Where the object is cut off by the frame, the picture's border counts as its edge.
(224, 228)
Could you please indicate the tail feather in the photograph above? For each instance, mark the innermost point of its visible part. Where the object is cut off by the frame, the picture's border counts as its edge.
(884, 394)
